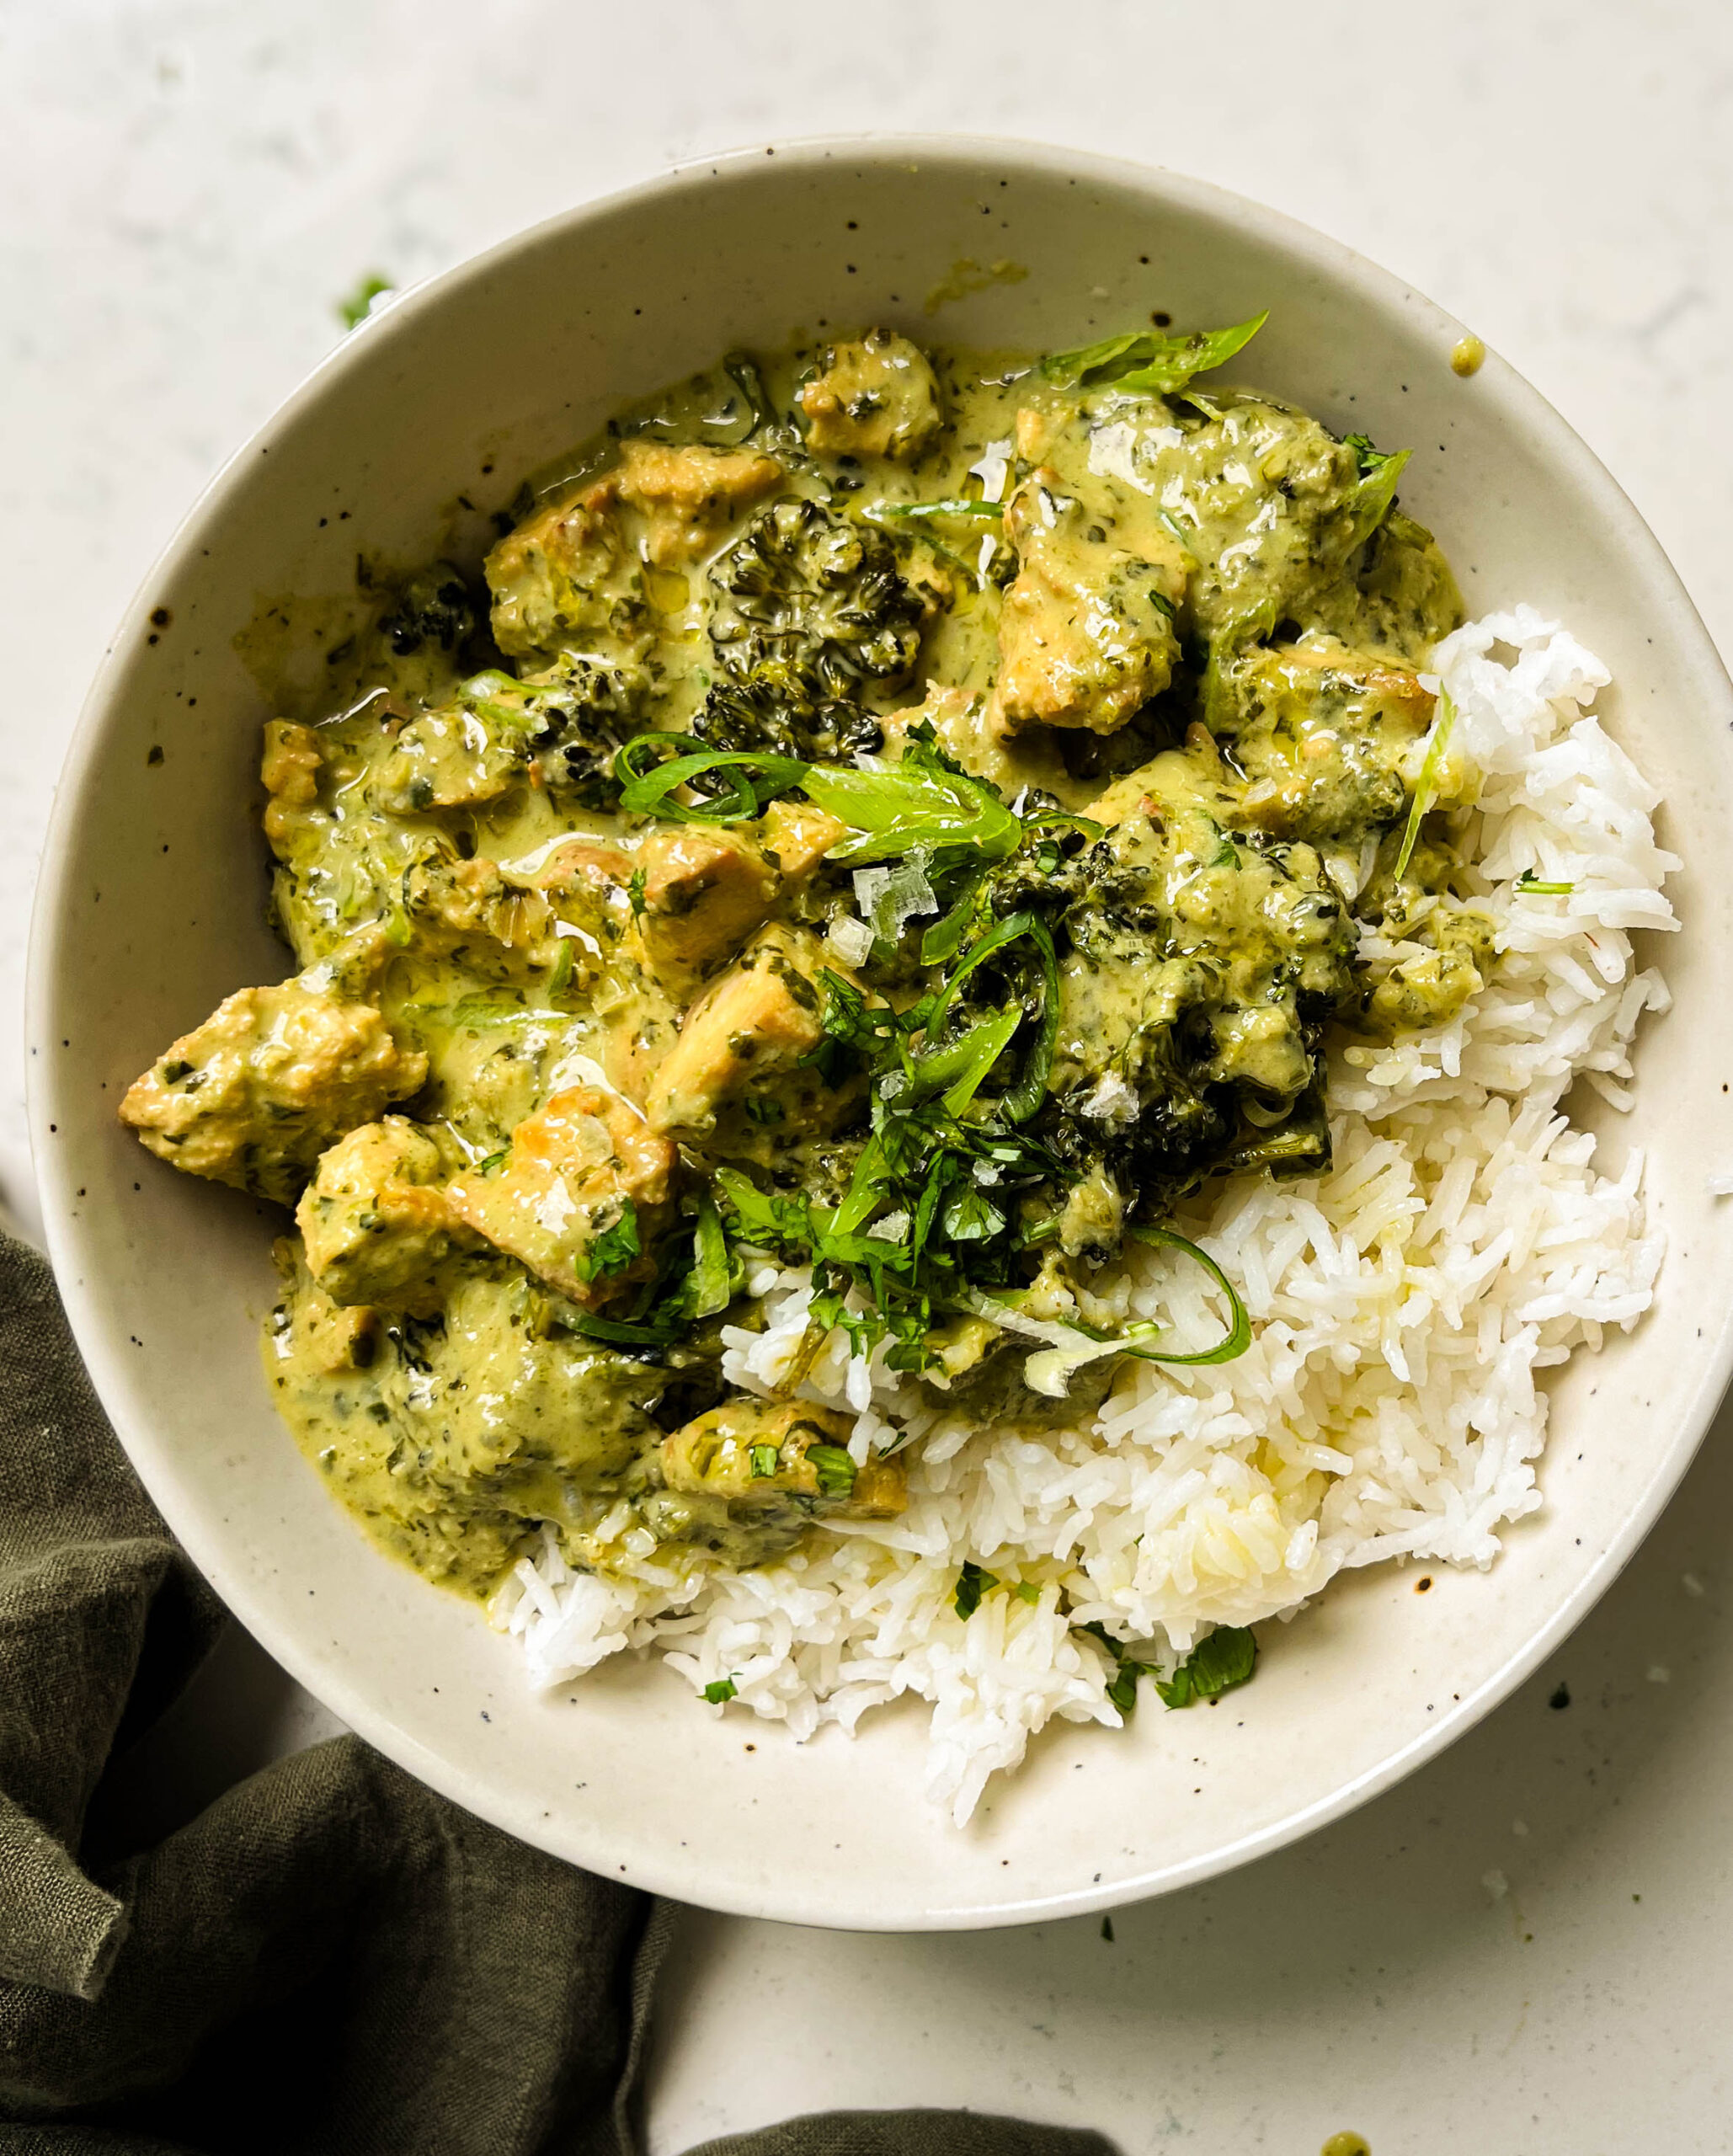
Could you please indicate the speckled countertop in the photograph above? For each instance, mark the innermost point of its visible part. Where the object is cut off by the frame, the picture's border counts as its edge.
(1526, 1949)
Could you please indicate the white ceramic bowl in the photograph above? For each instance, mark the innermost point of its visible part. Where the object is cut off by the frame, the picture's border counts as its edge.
(151, 911)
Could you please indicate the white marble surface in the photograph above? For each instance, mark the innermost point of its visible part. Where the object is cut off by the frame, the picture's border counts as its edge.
(1525, 1949)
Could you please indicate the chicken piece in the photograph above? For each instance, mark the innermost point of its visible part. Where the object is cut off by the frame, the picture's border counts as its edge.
(704, 892)
(326, 1338)
(689, 496)
(577, 1197)
(290, 773)
(572, 575)
(453, 902)
(274, 1075)
(581, 867)
(1323, 733)
(1086, 631)
(451, 759)
(1035, 433)
(753, 1025)
(376, 1228)
(797, 837)
(879, 397)
(567, 576)
(760, 1453)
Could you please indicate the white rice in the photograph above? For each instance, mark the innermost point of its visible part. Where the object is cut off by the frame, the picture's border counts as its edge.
(1402, 1305)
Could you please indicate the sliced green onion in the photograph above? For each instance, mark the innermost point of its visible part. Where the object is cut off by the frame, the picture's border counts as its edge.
(1370, 502)
(914, 803)
(944, 939)
(863, 1191)
(1001, 933)
(712, 1289)
(1533, 887)
(960, 1067)
(1238, 1337)
(1428, 785)
(593, 1327)
(956, 505)
(650, 779)
(765, 1460)
(1023, 1099)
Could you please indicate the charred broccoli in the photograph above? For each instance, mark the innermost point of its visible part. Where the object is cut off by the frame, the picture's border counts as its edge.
(584, 709)
(431, 610)
(820, 599)
(774, 710)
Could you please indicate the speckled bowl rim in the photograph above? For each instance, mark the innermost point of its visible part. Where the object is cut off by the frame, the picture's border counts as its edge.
(75, 1245)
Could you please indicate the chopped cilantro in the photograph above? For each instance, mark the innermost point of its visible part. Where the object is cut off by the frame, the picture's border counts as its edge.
(613, 1250)
(835, 1468)
(1215, 1665)
(973, 1582)
(720, 1688)
(635, 892)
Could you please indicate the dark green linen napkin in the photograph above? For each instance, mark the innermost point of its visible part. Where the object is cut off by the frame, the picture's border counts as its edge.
(330, 1960)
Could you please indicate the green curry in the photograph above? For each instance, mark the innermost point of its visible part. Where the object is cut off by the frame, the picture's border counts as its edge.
(909, 814)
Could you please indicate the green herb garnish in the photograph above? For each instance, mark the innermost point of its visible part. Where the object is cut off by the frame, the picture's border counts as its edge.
(956, 506)
(1533, 887)
(1370, 502)
(719, 1690)
(1427, 788)
(765, 1460)
(925, 801)
(712, 1286)
(1215, 1665)
(1149, 360)
(973, 1582)
(613, 1250)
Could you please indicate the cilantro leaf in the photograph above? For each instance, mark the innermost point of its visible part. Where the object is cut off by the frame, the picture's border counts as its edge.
(613, 1250)
(1149, 360)
(720, 1689)
(1123, 1684)
(1370, 503)
(765, 1218)
(1226, 1658)
(835, 1468)
(973, 1582)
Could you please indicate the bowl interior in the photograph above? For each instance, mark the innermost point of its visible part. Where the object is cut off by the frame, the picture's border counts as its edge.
(152, 910)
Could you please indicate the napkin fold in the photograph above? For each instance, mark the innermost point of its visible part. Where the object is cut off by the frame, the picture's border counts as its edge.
(330, 1960)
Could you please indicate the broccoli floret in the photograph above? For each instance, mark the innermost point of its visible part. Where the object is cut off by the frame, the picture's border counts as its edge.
(432, 610)
(774, 710)
(584, 709)
(822, 598)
